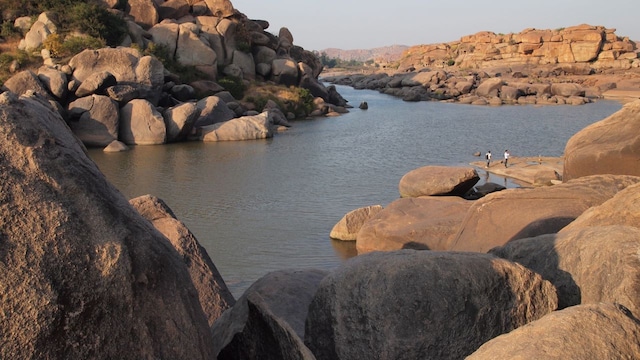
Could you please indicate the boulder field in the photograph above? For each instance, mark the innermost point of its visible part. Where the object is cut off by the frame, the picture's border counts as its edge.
(119, 96)
(544, 272)
(568, 66)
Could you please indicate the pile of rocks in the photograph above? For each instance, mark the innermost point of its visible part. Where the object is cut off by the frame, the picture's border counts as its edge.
(546, 67)
(118, 96)
(87, 274)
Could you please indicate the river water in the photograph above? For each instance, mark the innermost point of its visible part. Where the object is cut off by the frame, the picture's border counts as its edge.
(264, 205)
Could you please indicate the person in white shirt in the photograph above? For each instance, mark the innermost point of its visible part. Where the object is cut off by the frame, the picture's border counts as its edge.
(488, 157)
(506, 157)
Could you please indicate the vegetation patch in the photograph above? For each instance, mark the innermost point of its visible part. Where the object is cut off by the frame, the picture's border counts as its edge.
(292, 99)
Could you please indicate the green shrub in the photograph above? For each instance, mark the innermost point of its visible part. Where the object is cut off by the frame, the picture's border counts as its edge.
(451, 62)
(8, 31)
(233, 85)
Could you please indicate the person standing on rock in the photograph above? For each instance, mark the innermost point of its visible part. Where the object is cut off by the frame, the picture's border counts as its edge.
(488, 157)
(506, 157)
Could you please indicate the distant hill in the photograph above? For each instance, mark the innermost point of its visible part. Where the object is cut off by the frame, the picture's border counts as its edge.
(387, 53)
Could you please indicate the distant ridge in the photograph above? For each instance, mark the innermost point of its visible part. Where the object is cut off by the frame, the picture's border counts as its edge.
(386, 53)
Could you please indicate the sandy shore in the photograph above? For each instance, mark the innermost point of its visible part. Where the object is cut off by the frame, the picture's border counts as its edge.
(526, 171)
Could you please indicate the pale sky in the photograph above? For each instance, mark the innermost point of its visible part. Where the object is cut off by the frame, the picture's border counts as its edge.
(348, 24)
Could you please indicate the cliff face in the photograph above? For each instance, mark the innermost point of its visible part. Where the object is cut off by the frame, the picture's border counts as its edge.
(596, 45)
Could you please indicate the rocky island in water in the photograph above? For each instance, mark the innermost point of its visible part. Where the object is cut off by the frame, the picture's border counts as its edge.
(449, 270)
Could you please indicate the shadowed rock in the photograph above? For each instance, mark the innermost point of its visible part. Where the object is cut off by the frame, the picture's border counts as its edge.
(423, 223)
(595, 331)
(83, 275)
(521, 213)
(267, 322)
(609, 146)
(438, 180)
(586, 265)
(94, 120)
(412, 304)
(213, 293)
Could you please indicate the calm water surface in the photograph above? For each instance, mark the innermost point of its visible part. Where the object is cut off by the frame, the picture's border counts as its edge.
(265, 205)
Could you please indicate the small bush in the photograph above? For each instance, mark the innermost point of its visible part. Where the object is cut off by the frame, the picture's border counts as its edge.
(8, 31)
(233, 85)
(451, 62)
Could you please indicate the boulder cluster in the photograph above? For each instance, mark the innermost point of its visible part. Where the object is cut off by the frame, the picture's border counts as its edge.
(521, 273)
(114, 97)
(531, 67)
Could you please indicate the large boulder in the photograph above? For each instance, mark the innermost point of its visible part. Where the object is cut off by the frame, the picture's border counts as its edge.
(96, 83)
(213, 293)
(423, 223)
(166, 33)
(588, 265)
(213, 110)
(243, 128)
(285, 72)
(610, 146)
(38, 33)
(141, 124)
(144, 12)
(192, 49)
(268, 320)
(179, 120)
(438, 180)
(83, 275)
(25, 81)
(622, 209)
(413, 304)
(94, 120)
(513, 214)
(126, 64)
(347, 228)
(595, 331)
(220, 8)
(55, 81)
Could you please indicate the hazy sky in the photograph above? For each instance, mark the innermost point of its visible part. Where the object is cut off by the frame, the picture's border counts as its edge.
(348, 24)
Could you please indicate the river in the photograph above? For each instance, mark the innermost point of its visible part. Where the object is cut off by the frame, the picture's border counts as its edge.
(264, 205)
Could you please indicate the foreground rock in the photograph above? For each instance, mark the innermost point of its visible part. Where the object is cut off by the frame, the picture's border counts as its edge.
(595, 331)
(622, 209)
(514, 214)
(610, 146)
(437, 180)
(347, 228)
(83, 275)
(423, 223)
(267, 322)
(421, 305)
(587, 266)
(213, 293)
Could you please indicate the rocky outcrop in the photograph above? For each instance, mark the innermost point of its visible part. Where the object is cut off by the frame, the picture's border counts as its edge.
(421, 305)
(610, 146)
(586, 265)
(347, 228)
(268, 320)
(548, 67)
(213, 293)
(514, 214)
(597, 45)
(423, 223)
(613, 333)
(83, 275)
(205, 36)
(438, 180)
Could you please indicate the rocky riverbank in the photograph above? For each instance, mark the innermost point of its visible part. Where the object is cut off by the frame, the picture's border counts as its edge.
(98, 276)
(572, 66)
